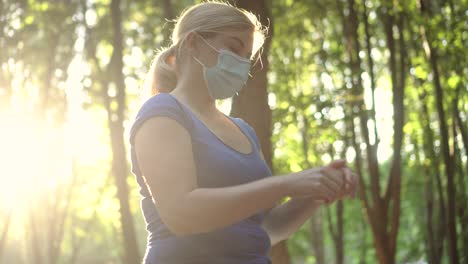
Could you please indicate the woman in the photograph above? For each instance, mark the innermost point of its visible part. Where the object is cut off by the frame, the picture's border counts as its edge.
(207, 192)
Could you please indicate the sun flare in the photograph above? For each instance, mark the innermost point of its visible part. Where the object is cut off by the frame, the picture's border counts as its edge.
(33, 159)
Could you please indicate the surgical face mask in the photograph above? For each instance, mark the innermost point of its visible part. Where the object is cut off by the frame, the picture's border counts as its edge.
(228, 76)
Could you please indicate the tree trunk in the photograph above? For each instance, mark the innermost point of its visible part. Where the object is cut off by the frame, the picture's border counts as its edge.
(371, 71)
(340, 233)
(432, 56)
(336, 232)
(437, 229)
(252, 105)
(461, 196)
(4, 231)
(5, 85)
(34, 236)
(383, 209)
(316, 221)
(460, 124)
(449, 166)
(252, 102)
(316, 236)
(115, 121)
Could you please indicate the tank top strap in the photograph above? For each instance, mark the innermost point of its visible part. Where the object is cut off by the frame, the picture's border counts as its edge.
(250, 131)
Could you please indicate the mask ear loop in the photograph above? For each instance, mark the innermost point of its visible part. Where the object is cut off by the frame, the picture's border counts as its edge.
(220, 51)
(198, 61)
(206, 41)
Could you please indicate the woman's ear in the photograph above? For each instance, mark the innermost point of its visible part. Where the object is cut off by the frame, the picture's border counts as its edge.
(185, 49)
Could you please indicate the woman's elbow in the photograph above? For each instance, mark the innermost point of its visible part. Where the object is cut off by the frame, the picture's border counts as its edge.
(176, 223)
(182, 224)
(274, 240)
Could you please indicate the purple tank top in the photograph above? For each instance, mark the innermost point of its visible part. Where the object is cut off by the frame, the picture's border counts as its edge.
(217, 165)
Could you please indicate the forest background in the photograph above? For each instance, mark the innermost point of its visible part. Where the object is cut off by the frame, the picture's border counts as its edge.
(381, 83)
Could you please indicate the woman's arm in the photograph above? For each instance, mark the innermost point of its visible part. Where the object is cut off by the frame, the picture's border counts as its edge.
(165, 157)
(285, 219)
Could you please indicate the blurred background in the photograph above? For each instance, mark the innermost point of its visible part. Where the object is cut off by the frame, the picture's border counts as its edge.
(381, 83)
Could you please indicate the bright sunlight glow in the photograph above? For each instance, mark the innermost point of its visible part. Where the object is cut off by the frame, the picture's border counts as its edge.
(37, 154)
(31, 159)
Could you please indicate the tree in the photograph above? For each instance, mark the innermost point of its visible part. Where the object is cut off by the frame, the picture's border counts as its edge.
(116, 117)
(383, 209)
(432, 56)
(252, 103)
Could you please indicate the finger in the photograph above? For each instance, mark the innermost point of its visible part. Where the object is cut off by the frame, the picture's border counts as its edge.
(354, 185)
(337, 164)
(342, 178)
(337, 176)
(326, 190)
(327, 179)
(347, 178)
(327, 193)
(334, 181)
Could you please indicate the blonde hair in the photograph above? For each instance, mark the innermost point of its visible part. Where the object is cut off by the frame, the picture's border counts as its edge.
(207, 17)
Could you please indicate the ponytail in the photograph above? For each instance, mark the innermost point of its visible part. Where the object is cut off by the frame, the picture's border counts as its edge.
(161, 76)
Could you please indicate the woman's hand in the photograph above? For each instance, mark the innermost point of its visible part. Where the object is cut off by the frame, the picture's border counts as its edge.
(349, 188)
(353, 180)
(329, 183)
(324, 183)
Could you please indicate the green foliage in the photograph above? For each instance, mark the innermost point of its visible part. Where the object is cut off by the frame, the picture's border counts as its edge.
(54, 57)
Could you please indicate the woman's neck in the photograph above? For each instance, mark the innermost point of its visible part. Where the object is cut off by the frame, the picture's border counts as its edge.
(194, 94)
